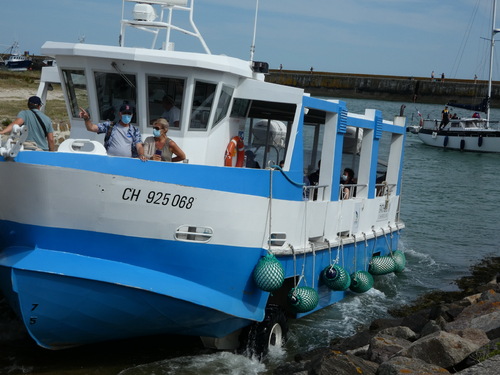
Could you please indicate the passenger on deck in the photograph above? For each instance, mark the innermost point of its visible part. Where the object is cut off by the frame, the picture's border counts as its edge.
(160, 147)
(314, 180)
(122, 138)
(381, 189)
(40, 131)
(314, 177)
(347, 178)
(250, 160)
(445, 118)
(172, 114)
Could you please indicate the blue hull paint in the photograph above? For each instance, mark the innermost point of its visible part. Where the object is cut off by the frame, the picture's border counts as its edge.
(67, 299)
(156, 288)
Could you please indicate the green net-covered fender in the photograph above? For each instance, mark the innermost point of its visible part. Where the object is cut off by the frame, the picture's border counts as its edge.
(303, 299)
(336, 278)
(361, 281)
(269, 273)
(382, 265)
(399, 260)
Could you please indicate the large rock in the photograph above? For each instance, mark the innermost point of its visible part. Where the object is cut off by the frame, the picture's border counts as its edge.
(382, 347)
(345, 364)
(383, 323)
(441, 349)
(417, 321)
(489, 367)
(358, 340)
(325, 361)
(484, 315)
(409, 366)
(401, 332)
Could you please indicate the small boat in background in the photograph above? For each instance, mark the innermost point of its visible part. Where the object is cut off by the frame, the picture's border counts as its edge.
(16, 61)
(472, 133)
(464, 134)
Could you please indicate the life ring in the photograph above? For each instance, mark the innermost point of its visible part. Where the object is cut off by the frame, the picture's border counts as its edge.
(235, 147)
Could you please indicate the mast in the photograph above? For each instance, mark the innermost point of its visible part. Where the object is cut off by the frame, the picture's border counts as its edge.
(252, 47)
(494, 31)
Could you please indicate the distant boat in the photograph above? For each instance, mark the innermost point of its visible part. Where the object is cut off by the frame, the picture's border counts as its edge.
(16, 61)
(467, 134)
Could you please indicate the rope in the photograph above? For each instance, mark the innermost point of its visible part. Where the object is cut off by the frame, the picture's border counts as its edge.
(270, 209)
(374, 240)
(329, 250)
(389, 246)
(301, 184)
(294, 265)
(391, 235)
(313, 264)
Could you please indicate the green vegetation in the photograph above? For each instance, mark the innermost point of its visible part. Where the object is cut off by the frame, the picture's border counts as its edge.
(28, 82)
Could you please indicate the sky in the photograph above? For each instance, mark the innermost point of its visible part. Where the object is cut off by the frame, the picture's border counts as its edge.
(382, 37)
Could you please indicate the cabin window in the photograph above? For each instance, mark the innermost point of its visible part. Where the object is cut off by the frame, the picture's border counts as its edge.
(223, 103)
(313, 145)
(266, 130)
(165, 99)
(114, 90)
(202, 104)
(76, 88)
(240, 107)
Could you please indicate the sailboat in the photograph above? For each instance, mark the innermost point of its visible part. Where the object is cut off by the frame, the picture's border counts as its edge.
(467, 134)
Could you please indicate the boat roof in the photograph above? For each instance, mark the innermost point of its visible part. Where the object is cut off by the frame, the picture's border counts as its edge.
(180, 58)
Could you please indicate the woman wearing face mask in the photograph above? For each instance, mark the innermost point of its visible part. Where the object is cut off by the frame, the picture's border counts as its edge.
(122, 138)
(160, 147)
(348, 179)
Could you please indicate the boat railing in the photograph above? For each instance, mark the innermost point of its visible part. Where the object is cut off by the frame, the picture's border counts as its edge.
(347, 191)
(314, 192)
(384, 189)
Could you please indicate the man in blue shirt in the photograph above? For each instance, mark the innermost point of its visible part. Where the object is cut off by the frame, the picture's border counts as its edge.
(122, 138)
(39, 125)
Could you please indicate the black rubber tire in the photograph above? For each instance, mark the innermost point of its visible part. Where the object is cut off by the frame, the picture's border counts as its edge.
(261, 336)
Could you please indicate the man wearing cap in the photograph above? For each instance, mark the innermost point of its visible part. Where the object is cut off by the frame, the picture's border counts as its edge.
(122, 138)
(39, 125)
(172, 114)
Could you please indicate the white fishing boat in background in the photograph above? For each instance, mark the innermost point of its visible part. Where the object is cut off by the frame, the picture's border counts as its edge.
(96, 248)
(472, 133)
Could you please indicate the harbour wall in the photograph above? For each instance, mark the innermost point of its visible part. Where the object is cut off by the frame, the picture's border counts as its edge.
(391, 88)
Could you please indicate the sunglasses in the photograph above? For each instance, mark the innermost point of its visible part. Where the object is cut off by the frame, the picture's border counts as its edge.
(156, 128)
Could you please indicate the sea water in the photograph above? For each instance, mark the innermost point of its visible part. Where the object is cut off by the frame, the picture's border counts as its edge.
(450, 208)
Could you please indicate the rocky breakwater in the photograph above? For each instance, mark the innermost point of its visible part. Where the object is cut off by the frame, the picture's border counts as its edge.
(442, 333)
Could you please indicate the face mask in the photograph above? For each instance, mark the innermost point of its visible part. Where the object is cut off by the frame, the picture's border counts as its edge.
(126, 119)
(156, 133)
(343, 177)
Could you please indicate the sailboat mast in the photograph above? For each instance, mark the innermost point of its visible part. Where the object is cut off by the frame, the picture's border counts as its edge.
(492, 47)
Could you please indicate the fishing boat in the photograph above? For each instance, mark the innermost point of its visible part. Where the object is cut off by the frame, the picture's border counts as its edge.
(16, 61)
(467, 134)
(96, 248)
